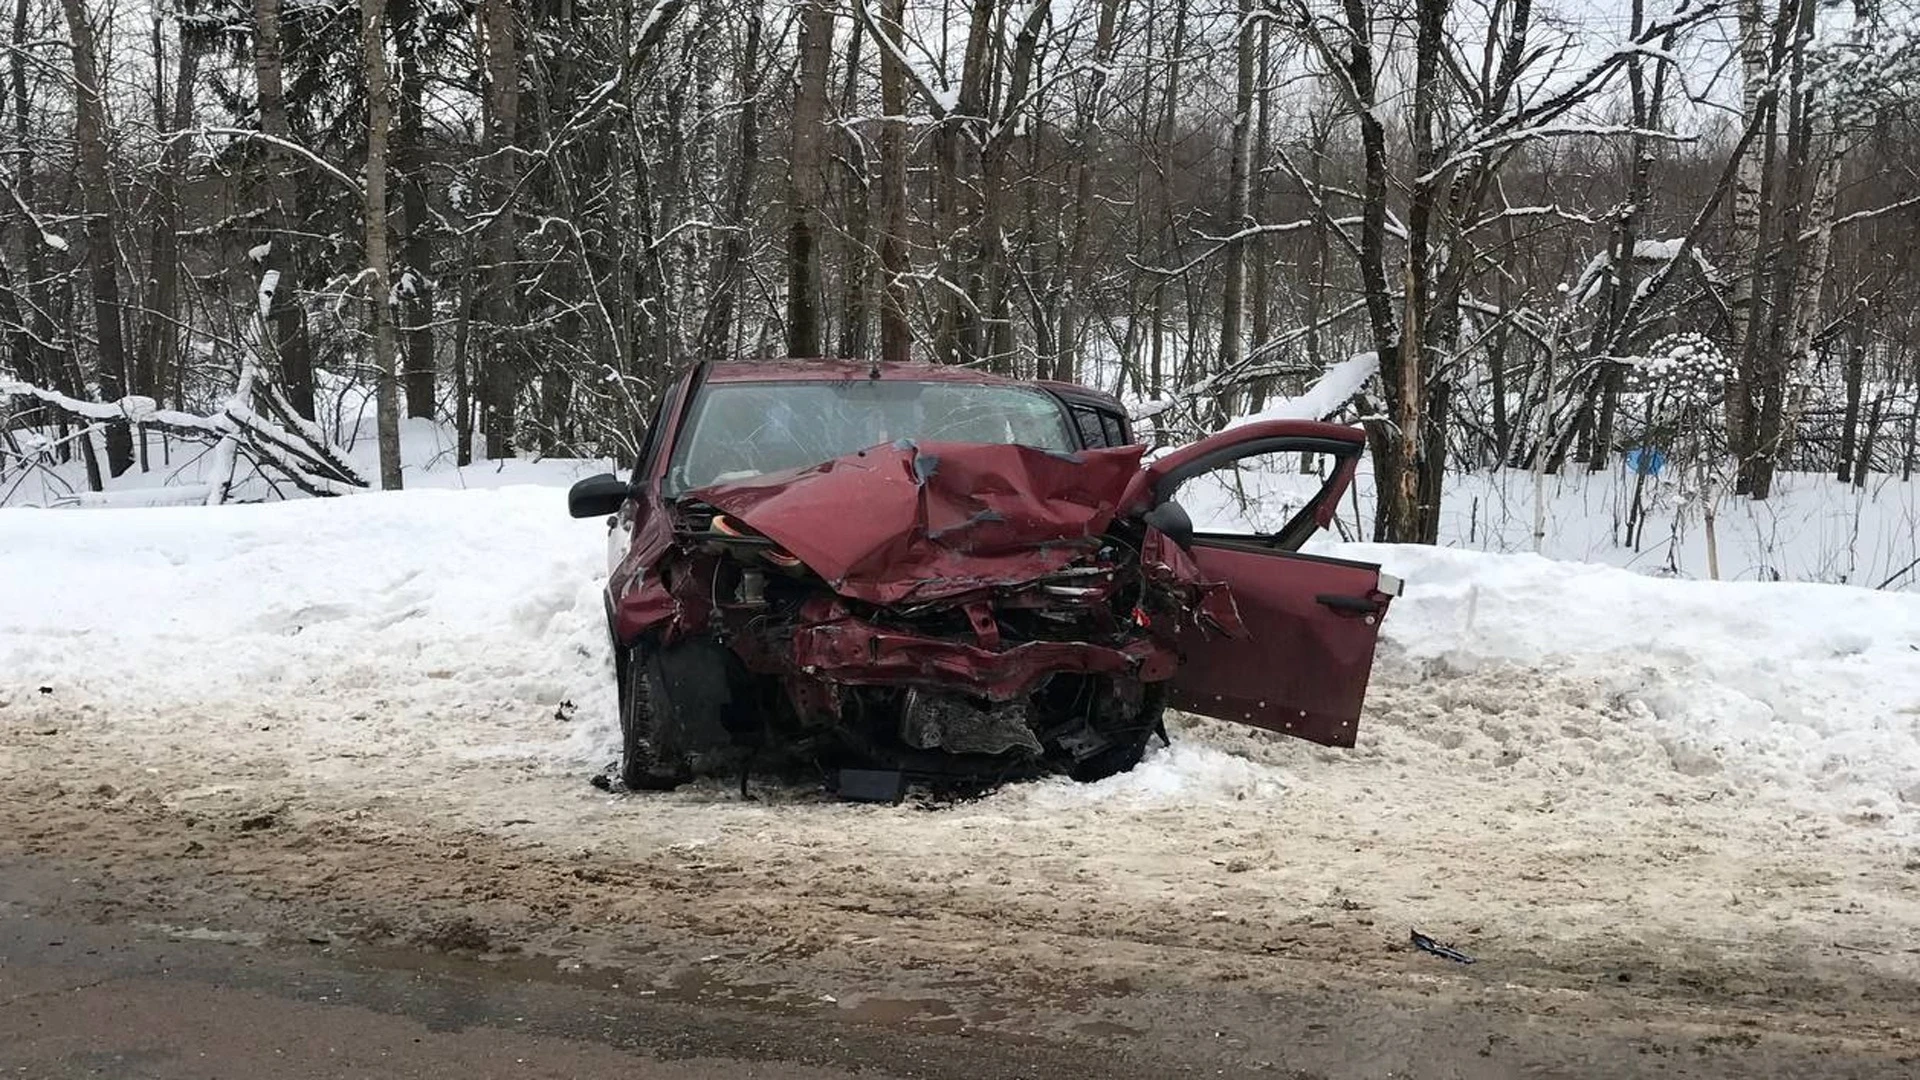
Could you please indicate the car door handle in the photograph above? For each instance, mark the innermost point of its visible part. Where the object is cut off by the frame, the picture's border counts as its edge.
(1359, 605)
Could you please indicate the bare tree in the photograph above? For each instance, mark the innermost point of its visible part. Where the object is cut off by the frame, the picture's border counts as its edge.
(415, 281)
(279, 261)
(1233, 304)
(501, 368)
(895, 332)
(172, 112)
(373, 37)
(1196, 205)
(729, 276)
(90, 140)
(807, 180)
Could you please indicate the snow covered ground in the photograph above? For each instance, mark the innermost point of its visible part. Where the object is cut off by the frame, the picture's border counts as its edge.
(1558, 759)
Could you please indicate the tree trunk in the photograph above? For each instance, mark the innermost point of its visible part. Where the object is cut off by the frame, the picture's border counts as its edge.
(159, 336)
(30, 349)
(990, 274)
(1795, 278)
(1854, 368)
(1406, 454)
(717, 333)
(89, 135)
(1075, 275)
(1391, 454)
(500, 366)
(1743, 237)
(807, 180)
(1912, 440)
(285, 319)
(1239, 210)
(373, 43)
(857, 194)
(958, 203)
(416, 225)
(895, 334)
(463, 391)
(1863, 467)
(1261, 270)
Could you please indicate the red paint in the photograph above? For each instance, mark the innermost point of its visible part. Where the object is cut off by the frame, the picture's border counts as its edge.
(913, 523)
(857, 653)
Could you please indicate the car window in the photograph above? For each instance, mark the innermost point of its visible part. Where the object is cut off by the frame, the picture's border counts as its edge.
(1254, 495)
(740, 430)
(1088, 421)
(650, 445)
(1098, 427)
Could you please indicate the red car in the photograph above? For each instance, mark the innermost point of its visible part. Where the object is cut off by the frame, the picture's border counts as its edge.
(900, 571)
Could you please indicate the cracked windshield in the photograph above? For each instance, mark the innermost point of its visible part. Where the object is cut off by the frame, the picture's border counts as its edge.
(738, 431)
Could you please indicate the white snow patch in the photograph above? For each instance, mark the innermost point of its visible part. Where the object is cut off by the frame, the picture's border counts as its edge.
(1809, 694)
(1328, 395)
(1186, 773)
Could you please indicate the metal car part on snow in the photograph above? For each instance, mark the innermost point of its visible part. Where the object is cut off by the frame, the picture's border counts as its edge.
(941, 573)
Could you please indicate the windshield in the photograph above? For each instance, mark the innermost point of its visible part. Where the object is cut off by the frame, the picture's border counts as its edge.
(741, 430)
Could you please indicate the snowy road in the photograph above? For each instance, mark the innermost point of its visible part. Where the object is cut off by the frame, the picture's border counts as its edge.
(1654, 802)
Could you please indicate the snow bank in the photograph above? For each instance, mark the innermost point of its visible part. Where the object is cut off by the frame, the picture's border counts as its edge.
(468, 626)
(1806, 692)
(368, 617)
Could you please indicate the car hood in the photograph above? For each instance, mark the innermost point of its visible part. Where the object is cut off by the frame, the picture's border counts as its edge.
(914, 522)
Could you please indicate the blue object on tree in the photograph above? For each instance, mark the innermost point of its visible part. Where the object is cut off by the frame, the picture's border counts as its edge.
(1646, 461)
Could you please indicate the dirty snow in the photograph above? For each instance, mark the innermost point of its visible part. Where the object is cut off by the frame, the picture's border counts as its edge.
(1576, 755)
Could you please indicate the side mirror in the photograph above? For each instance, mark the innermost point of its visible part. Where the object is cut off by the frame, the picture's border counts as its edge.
(1173, 521)
(597, 495)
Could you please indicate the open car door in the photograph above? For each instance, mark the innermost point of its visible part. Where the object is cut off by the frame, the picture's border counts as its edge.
(1311, 621)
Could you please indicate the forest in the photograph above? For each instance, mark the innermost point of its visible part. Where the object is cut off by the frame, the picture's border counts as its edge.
(1564, 234)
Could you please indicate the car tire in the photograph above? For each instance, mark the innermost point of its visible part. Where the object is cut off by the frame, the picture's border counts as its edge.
(1129, 743)
(647, 759)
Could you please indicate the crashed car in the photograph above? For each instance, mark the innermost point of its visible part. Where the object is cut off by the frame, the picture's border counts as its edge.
(910, 571)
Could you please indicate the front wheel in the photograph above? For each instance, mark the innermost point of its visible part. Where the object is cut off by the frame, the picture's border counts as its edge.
(1112, 737)
(648, 760)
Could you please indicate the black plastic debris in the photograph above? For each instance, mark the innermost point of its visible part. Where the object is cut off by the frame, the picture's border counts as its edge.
(1427, 944)
(872, 785)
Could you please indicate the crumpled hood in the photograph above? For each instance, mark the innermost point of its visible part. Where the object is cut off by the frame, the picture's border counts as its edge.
(915, 522)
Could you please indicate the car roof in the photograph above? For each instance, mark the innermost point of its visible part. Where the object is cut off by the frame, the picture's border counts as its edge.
(842, 370)
(1074, 392)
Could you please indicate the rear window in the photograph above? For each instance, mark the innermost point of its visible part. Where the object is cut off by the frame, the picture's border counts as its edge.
(1099, 427)
(741, 430)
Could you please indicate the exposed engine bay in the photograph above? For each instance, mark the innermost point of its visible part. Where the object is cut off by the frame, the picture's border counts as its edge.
(956, 611)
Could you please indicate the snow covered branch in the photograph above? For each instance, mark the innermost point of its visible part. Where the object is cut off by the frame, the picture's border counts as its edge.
(256, 425)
